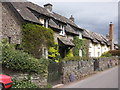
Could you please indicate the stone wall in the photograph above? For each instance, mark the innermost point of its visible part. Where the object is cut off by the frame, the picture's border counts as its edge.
(76, 70)
(107, 62)
(37, 79)
(11, 24)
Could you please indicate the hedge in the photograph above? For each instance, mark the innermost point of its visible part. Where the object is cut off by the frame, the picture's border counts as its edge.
(115, 52)
(21, 61)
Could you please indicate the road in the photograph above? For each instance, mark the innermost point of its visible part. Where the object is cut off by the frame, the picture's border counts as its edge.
(105, 79)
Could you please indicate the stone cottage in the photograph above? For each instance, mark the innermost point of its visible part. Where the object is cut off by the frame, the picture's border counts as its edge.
(16, 13)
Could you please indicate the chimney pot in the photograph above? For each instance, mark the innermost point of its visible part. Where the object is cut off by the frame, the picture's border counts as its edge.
(110, 22)
(48, 7)
(72, 18)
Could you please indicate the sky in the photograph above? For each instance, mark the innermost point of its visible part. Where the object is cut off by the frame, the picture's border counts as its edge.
(94, 15)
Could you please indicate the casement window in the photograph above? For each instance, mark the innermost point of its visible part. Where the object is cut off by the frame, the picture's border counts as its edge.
(45, 53)
(105, 48)
(98, 54)
(46, 23)
(62, 32)
(80, 35)
(80, 52)
(90, 47)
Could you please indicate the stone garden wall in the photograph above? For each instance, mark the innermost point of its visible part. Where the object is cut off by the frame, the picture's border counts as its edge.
(70, 70)
(39, 80)
(108, 62)
(76, 70)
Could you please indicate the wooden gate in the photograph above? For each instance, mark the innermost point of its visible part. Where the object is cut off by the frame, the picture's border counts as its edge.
(96, 65)
(54, 73)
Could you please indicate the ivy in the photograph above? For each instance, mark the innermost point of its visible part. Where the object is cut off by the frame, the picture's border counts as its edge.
(54, 53)
(34, 37)
(79, 44)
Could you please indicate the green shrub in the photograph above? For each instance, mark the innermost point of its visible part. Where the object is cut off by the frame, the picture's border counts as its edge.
(69, 53)
(23, 84)
(106, 54)
(115, 52)
(21, 61)
(53, 53)
(35, 37)
(48, 86)
(80, 44)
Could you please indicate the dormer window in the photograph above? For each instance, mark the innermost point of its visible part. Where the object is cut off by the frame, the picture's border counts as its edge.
(80, 35)
(62, 32)
(46, 23)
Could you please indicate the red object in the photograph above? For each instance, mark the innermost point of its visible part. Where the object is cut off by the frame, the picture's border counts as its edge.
(5, 81)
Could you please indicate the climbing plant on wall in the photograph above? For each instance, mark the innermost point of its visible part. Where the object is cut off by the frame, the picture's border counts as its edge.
(79, 44)
(54, 53)
(34, 37)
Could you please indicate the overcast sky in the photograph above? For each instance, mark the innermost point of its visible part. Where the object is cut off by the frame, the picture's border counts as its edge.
(93, 16)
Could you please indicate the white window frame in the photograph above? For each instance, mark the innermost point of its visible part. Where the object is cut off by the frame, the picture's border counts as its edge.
(80, 35)
(62, 32)
(80, 52)
(46, 23)
(45, 52)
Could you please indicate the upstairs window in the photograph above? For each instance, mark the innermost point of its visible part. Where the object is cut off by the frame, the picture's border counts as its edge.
(46, 23)
(80, 35)
(62, 32)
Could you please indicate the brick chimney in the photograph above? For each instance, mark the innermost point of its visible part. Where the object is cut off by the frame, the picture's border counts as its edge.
(72, 18)
(48, 7)
(111, 37)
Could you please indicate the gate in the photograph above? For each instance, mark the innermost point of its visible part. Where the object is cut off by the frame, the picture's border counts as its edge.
(54, 73)
(96, 65)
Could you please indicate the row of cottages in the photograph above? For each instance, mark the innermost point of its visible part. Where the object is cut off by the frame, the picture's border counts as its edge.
(16, 13)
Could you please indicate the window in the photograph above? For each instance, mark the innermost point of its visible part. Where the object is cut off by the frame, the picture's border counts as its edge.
(98, 54)
(62, 32)
(90, 47)
(80, 53)
(89, 54)
(105, 48)
(80, 35)
(45, 53)
(46, 23)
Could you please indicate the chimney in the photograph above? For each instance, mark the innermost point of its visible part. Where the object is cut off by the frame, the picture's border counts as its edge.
(72, 18)
(111, 37)
(48, 7)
